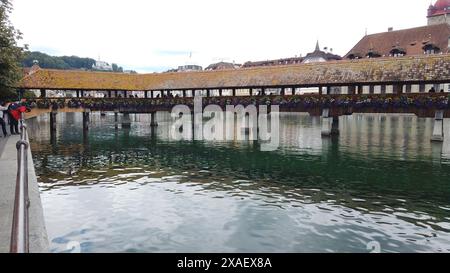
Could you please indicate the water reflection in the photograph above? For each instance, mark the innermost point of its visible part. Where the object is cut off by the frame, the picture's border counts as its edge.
(138, 190)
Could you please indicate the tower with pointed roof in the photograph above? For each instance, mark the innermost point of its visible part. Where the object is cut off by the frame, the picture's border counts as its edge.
(439, 13)
(319, 56)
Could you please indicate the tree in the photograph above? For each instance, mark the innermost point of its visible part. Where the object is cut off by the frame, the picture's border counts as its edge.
(117, 68)
(10, 53)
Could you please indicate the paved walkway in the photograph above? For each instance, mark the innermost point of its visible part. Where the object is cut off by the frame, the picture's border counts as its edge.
(8, 173)
(2, 144)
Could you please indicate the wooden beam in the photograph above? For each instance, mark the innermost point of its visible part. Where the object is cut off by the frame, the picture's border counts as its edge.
(351, 90)
(398, 88)
(360, 89)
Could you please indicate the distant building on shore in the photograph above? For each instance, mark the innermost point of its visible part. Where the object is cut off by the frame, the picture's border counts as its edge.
(186, 68)
(317, 55)
(190, 67)
(222, 66)
(102, 66)
(430, 39)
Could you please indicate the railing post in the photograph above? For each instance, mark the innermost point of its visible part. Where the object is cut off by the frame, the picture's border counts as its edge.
(20, 226)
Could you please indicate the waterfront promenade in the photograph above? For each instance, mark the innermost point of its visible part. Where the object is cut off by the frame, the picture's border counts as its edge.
(8, 170)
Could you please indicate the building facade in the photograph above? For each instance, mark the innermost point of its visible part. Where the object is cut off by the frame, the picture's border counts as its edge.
(430, 39)
(222, 66)
(434, 38)
(316, 56)
(102, 66)
(439, 13)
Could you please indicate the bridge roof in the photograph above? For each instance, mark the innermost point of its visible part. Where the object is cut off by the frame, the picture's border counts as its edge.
(423, 69)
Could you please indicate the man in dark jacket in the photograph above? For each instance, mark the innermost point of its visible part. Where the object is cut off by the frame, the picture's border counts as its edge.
(13, 120)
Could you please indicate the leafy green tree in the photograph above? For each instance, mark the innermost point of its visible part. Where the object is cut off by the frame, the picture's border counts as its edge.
(117, 68)
(10, 52)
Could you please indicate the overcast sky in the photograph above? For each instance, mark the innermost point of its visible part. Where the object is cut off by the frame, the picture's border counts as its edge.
(154, 35)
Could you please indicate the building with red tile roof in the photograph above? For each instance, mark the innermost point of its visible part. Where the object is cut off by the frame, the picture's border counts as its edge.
(439, 13)
(430, 39)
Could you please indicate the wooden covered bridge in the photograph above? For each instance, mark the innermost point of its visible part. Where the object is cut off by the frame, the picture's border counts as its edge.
(356, 76)
(407, 79)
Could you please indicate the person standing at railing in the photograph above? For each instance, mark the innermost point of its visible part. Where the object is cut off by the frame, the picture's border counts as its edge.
(13, 122)
(15, 111)
(3, 110)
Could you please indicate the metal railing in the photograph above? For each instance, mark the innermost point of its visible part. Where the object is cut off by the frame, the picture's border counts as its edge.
(20, 228)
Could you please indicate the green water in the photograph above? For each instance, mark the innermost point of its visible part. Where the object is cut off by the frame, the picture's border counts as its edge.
(380, 182)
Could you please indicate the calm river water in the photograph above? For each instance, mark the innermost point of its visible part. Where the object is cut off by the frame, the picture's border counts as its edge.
(380, 183)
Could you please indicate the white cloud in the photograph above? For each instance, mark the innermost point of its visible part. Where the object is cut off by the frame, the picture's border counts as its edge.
(147, 35)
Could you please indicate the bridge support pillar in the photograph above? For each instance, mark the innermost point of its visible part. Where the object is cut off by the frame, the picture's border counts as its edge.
(86, 120)
(153, 122)
(126, 121)
(53, 122)
(116, 119)
(330, 124)
(438, 130)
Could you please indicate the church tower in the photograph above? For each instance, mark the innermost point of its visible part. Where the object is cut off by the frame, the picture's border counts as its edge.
(439, 13)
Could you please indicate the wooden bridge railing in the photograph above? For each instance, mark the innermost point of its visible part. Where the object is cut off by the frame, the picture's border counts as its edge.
(421, 104)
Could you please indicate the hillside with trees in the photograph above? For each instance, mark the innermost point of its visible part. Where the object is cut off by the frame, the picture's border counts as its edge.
(63, 62)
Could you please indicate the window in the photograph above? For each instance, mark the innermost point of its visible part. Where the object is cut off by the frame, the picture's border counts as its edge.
(431, 49)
